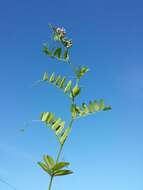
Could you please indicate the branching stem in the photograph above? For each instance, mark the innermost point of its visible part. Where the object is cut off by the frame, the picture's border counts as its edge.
(59, 154)
(71, 120)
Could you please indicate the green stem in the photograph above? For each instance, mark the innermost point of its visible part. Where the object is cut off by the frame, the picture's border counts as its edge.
(77, 81)
(59, 153)
(61, 147)
(72, 67)
(50, 184)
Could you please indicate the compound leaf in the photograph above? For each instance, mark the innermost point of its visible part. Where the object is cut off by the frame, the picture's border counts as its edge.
(81, 71)
(55, 124)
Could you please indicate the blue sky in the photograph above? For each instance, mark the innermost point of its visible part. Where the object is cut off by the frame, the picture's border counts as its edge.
(105, 150)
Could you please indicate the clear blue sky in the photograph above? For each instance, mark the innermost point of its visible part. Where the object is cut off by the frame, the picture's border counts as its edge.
(105, 150)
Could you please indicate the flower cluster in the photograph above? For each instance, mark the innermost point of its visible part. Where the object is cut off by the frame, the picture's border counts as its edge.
(61, 32)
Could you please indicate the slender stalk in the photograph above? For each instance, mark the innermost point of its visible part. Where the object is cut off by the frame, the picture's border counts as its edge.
(61, 147)
(59, 153)
(72, 67)
(50, 184)
(70, 124)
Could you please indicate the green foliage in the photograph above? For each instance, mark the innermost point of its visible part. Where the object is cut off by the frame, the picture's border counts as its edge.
(72, 88)
(52, 168)
(62, 83)
(45, 76)
(63, 172)
(65, 135)
(81, 71)
(90, 108)
(68, 86)
(55, 124)
(57, 53)
(60, 165)
(49, 161)
(66, 55)
(47, 51)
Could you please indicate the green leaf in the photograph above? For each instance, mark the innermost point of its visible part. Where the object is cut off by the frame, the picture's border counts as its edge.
(84, 70)
(64, 135)
(68, 86)
(85, 108)
(45, 76)
(96, 106)
(61, 85)
(60, 165)
(81, 72)
(52, 78)
(91, 107)
(47, 51)
(77, 108)
(56, 123)
(50, 118)
(101, 104)
(107, 108)
(49, 161)
(60, 128)
(58, 52)
(66, 55)
(44, 116)
(57, 81)
(62, 172)
(75, 90)
(44, 167)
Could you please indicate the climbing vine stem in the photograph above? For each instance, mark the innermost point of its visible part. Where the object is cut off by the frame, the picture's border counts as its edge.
(72, 89)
